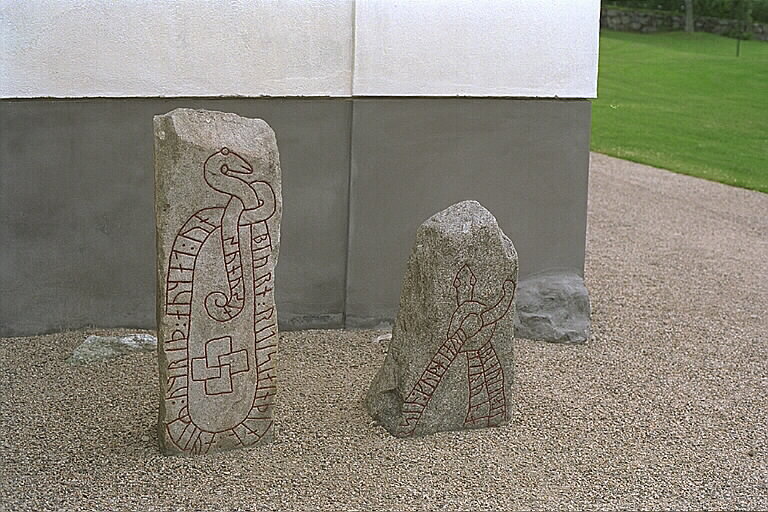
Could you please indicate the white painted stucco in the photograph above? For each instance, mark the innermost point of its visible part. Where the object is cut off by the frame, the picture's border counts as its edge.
(176, 47)
(528, 48)
(91, 48)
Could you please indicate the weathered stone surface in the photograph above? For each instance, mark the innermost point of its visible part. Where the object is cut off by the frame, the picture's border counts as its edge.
(103, 348)
(553, 307)
(218, 209)
(449, 364)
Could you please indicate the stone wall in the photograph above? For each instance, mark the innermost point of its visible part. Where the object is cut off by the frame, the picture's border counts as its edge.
(650, 21)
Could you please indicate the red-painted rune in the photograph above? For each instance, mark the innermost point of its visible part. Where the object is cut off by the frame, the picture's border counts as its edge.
(470, 332)
(241, 233)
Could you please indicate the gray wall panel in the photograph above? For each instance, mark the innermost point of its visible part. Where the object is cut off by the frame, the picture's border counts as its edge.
(313, 139)
(76, 210)
(76, 218)
(77, 223)
(525, 160)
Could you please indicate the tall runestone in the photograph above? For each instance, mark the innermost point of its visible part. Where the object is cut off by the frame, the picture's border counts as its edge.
(218, 208)
(449, 365)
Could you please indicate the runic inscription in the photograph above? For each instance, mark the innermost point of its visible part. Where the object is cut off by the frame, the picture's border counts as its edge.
(470, 332)
(219, 334)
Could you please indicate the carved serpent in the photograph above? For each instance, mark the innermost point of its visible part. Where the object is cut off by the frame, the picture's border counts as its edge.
(470, 331)
(251, 203)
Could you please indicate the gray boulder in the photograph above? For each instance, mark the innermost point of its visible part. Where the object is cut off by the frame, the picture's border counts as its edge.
(449, 364)
(553, 307)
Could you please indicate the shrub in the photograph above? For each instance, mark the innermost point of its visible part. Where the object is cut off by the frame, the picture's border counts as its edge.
(728, 9)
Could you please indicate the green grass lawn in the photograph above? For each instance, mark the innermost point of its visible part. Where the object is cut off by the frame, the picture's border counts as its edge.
(685, 102)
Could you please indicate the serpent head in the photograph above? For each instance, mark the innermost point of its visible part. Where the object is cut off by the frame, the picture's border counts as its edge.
(222, 166)
(465, 284)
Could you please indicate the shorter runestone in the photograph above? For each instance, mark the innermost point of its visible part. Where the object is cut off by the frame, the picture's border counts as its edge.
(449, 365)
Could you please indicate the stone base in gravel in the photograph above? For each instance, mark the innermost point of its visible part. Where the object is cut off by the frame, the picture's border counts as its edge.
(553, 307)
(449, 365)
(103, 348)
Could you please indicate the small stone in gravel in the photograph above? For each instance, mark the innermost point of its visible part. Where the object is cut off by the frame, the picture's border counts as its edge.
(103, 348)
(449, 365)
(383, 338)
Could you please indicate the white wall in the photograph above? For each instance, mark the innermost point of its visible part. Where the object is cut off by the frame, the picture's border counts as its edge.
(175, 47)
(528, 48)
(87, 48)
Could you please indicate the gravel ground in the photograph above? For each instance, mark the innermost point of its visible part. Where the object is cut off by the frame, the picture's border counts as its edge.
(665, 408)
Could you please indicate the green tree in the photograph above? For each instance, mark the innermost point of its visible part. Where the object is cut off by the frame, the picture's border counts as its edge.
(742, 11)
(689, 16)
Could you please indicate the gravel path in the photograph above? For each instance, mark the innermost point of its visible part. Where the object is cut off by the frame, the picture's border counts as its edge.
(664, 409)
